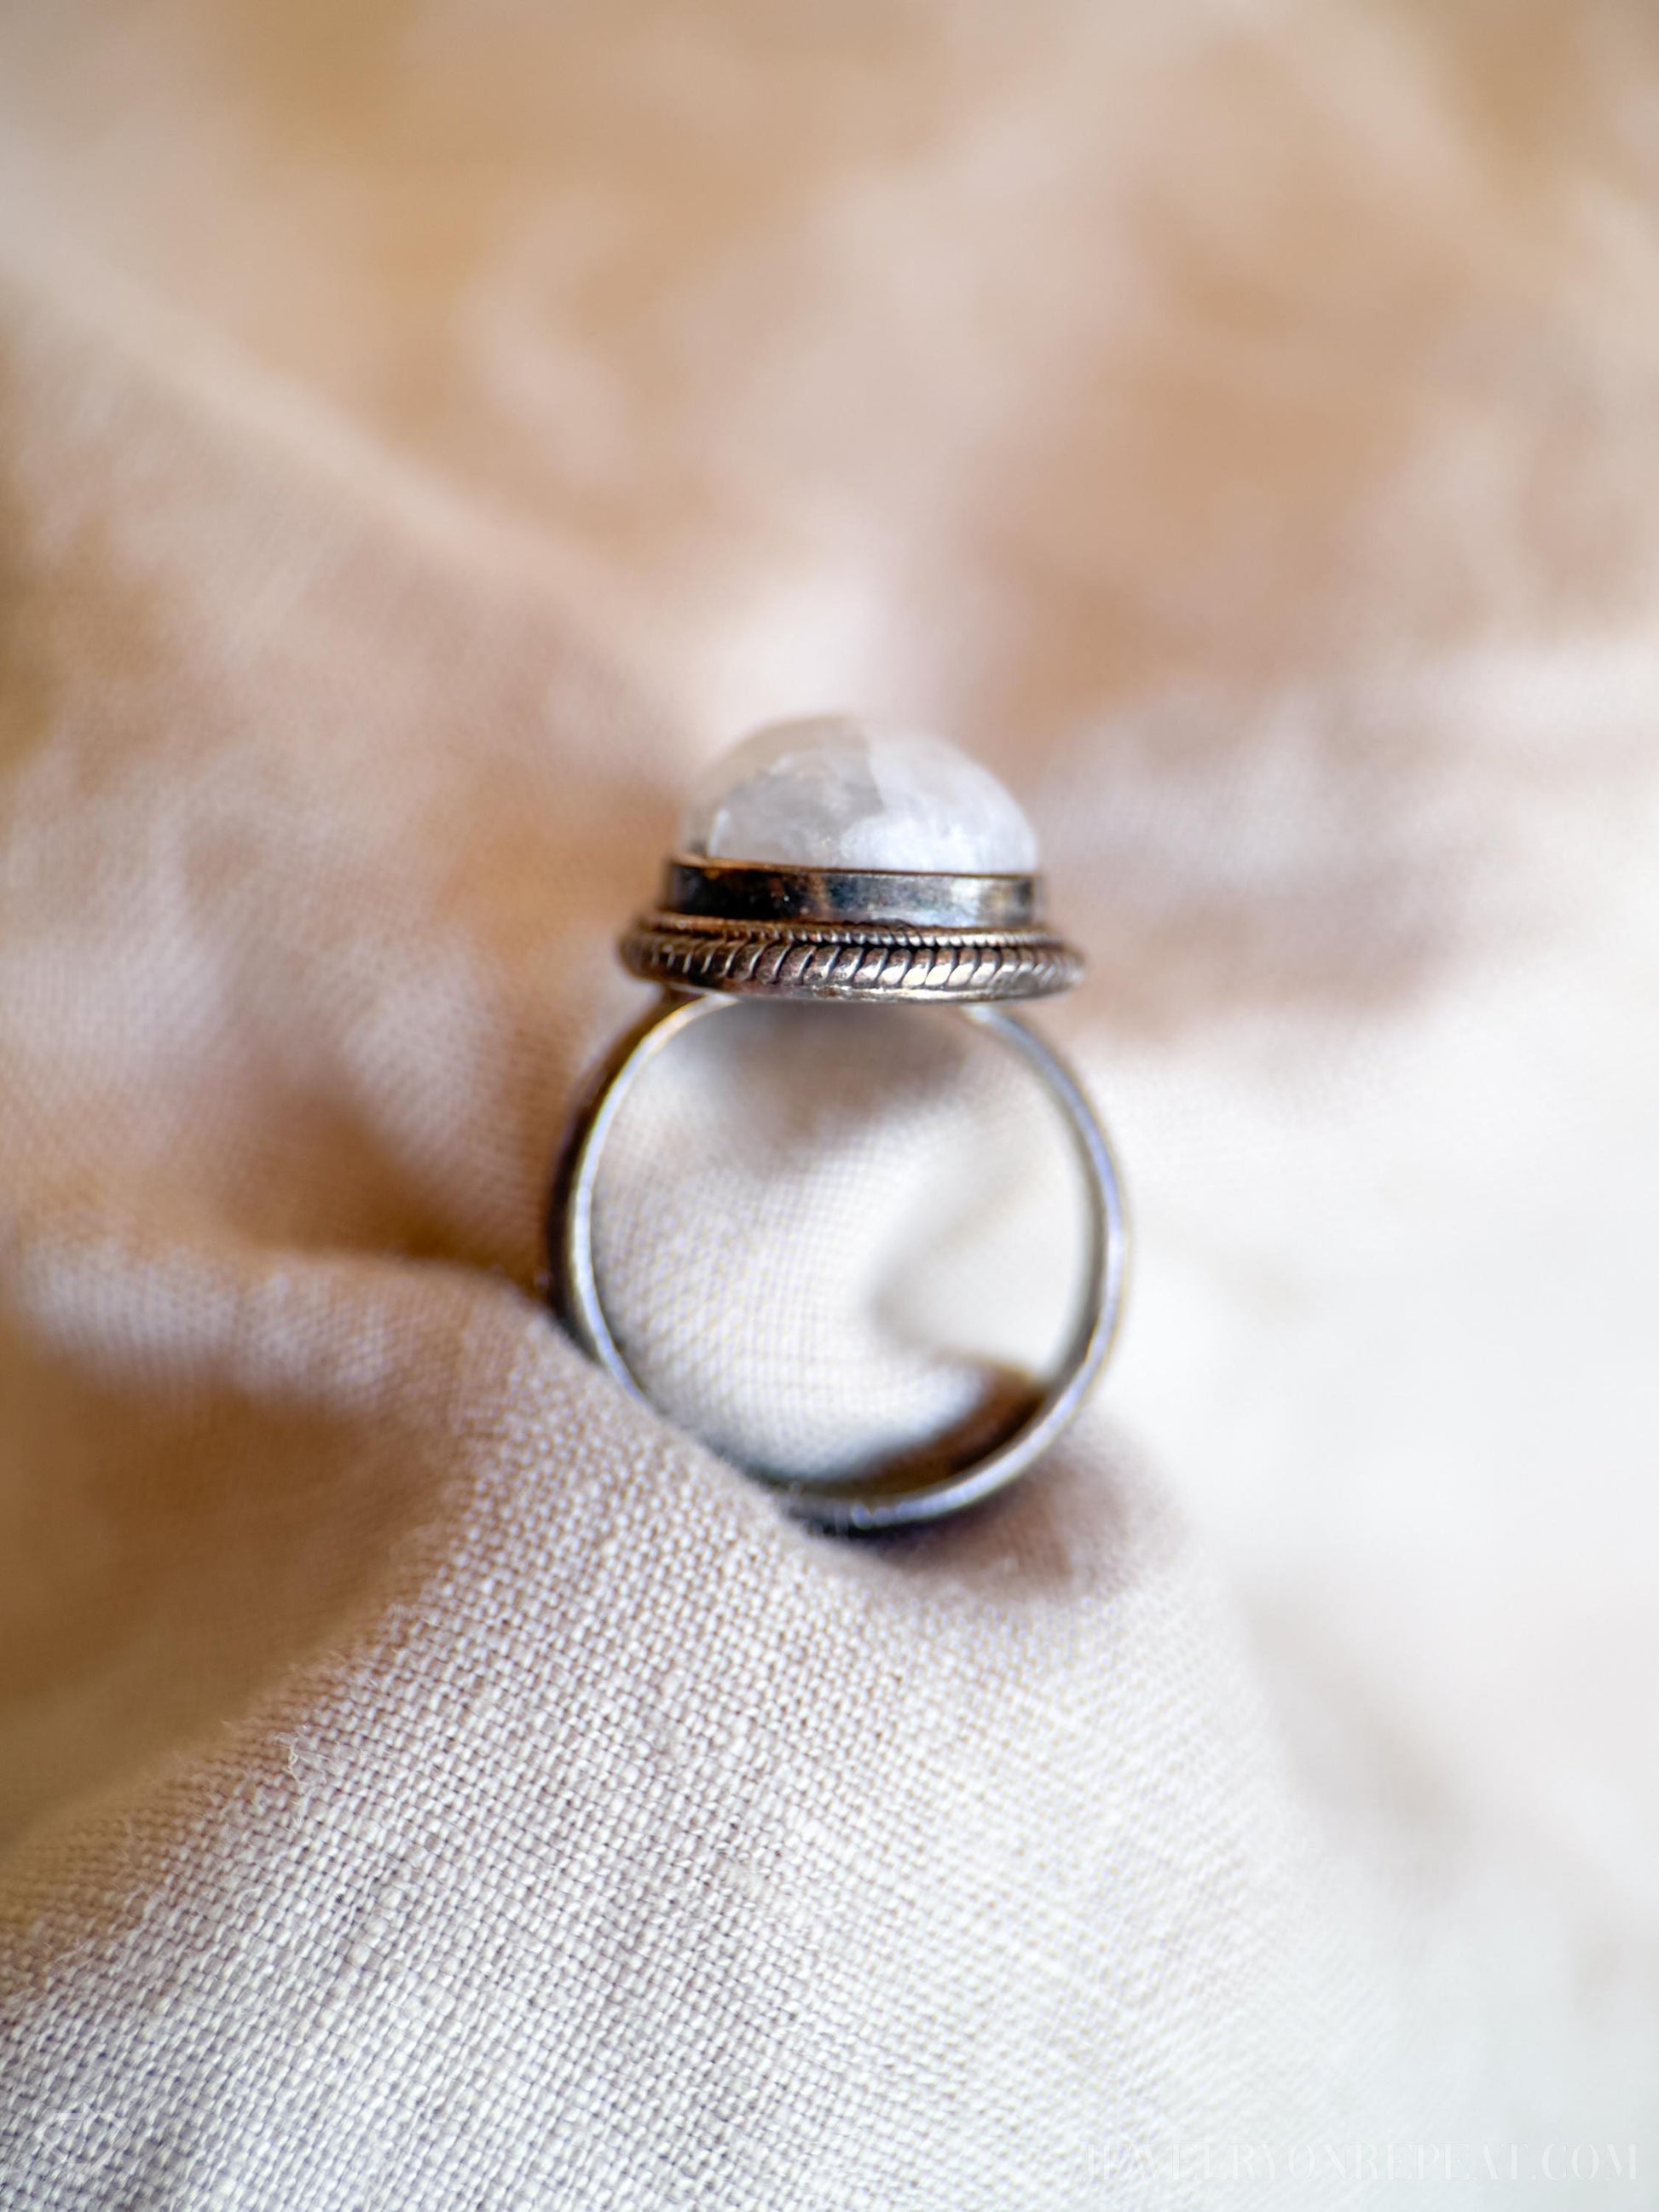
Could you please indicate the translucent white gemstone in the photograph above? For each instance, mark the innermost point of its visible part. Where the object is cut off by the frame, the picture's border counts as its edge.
(835, 793)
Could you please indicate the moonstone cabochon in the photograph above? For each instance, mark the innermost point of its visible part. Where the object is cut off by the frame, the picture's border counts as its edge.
(834, 792)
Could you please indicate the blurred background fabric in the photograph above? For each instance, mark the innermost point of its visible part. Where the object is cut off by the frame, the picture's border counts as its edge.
(430, 433)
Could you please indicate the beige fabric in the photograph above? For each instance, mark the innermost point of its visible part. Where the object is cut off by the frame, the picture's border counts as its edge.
(429, 1780)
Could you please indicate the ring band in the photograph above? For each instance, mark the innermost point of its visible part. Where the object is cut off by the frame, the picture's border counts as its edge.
(936, 1479)
(735, 918)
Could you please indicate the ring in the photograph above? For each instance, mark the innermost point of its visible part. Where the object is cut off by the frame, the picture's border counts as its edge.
(826, 861)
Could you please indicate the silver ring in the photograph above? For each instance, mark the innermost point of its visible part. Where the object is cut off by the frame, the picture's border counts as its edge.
(771, 898)
(934, 1479)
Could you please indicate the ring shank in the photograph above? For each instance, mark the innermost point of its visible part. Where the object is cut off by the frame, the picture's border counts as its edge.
(916, 1486)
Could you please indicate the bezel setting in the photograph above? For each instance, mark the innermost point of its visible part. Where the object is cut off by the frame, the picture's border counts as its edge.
(758, 928)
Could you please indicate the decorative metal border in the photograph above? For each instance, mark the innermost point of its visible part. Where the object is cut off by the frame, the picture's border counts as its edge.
(848, 960)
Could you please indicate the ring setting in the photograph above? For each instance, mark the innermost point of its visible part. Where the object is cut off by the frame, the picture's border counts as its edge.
(821, 860)
(757, 927)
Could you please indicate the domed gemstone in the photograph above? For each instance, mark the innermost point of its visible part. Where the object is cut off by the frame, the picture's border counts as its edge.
(834, 792)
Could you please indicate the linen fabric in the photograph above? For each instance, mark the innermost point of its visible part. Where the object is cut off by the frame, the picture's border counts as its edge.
(430, 1779)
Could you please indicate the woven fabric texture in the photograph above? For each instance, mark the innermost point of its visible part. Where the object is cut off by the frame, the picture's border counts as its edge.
(428, 1780)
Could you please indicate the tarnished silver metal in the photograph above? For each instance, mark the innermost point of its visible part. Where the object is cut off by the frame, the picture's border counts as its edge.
(761, 890)
(726, 930)
(1019, 1416)
(753, 928)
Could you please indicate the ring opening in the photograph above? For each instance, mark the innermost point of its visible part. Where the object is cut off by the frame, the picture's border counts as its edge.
(856, 1249)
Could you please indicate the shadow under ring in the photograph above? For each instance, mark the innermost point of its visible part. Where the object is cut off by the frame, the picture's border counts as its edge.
(973, 1460)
